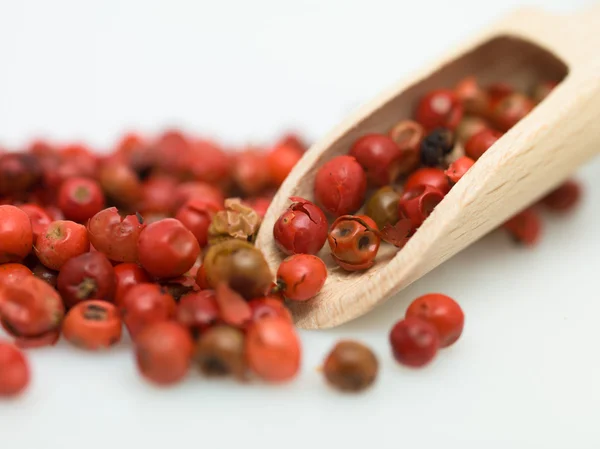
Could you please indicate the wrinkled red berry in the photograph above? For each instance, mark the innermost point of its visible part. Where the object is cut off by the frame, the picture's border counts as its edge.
(302, 228)
(115, 236)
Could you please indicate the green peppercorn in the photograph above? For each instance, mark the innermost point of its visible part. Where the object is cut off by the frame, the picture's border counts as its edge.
(382, 207)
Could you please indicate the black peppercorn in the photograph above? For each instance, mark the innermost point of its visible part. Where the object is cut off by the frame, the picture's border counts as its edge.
(435, 146)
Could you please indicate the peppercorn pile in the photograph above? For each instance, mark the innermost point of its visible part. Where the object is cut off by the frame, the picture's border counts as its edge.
(158, 236)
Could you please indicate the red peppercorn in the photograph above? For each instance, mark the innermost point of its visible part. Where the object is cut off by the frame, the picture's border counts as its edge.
(201, 279)
(281, 160)
(164, 353)
(301, 276)
(29, 307)
(353, 242)
(38, 216)
(84, 162)
(198, 311)
(120, 183)
(196, 215)
(480, 142)
(93, 325)
(16, 235)
(50, 338)
(60, 241)
(473, 98)
(126, 276)
(439, 109)
(442, 312)
(468, 127)
(564, 198)
(167, 249)
(158, 195)
(19, 173)
(428, 176)
(273, 349)
(525, 227)
(146, 304)
(497, 92)
(269, 306)
(115, 236)
(88, 276)
(414, 342)
(249, 171)
(44, 273)
(200, 191)
(80, 199)
(302, 228)
(379, 156)
(510, 110)
(341, 185)
(10, 272)
(14, 370)
(458, 168)
(408, 136)
(209, 163)
(417, 203)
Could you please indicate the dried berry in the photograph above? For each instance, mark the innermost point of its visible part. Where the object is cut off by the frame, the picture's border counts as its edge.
(237, 221)
(350, 366)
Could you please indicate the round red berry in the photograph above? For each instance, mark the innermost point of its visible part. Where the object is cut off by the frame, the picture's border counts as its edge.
(439, 109)
(16, 234)
(341, 185)
(14, 370)
(166, 248)
(301, 276)
(93, 325)
(442, 312)
(379, 156)
(60, 241)
(80, 199)
(414, 342)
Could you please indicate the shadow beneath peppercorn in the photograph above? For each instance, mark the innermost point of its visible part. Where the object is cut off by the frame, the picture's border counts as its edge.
(448, 278)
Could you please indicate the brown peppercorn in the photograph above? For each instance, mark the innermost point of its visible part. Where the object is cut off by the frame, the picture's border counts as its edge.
(237, 221)
(220, 352)
(351, 366)
(382, 207)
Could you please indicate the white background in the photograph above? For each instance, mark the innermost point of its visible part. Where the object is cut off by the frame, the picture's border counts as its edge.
(526, 373)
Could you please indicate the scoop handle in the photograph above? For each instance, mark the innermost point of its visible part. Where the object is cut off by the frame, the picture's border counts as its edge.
(574, 37)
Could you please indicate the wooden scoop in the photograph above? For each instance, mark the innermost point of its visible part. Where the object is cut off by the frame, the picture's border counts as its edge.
(536, 155)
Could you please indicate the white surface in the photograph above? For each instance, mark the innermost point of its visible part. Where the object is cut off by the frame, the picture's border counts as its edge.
(526, 372)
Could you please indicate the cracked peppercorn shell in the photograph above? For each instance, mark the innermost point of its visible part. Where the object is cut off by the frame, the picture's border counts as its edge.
(408, 135)
(353, 246)
(418, 203)
(220, 352)
(301, 229)
(350, 366)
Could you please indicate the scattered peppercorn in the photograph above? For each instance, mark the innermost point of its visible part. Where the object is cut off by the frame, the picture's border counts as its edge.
(14, 370)
(220, 352)
(350, 366)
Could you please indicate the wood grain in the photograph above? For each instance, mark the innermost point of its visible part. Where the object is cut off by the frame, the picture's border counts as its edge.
(536, 155)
